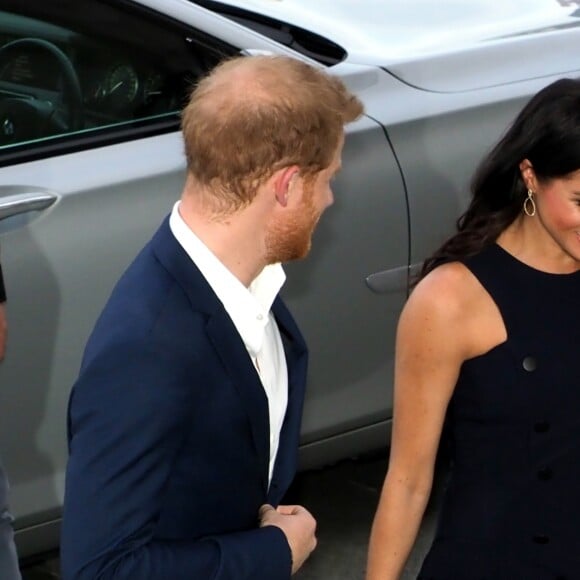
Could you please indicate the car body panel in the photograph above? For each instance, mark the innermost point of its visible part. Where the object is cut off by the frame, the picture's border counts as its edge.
(393, 32)
(368, 189)
(60, 267)
(439, 139)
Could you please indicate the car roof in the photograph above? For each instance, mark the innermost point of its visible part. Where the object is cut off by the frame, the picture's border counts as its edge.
(426, 43)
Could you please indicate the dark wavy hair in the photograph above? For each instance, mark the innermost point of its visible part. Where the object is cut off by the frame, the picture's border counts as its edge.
(547, 133)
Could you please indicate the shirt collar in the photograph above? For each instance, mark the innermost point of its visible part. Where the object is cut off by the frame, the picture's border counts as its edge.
(248, 308)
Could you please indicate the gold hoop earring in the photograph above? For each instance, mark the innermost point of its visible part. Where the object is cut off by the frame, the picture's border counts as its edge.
(530, 204)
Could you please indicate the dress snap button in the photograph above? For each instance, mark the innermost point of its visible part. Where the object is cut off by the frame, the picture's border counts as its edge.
(541, 427)
(545, 474)
(541, 539)
(529, 364)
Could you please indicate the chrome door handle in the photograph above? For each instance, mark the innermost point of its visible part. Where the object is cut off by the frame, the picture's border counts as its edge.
(393, 280)
(12, 205)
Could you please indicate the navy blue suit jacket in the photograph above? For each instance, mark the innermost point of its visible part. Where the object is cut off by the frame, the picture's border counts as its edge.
(169, 435)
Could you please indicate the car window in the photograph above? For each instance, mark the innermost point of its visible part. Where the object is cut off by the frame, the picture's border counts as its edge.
(87, 71)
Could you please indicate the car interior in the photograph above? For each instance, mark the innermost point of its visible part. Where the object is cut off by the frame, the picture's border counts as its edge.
(58, 77)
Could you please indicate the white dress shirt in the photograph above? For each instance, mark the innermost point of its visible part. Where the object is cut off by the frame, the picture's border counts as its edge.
(249, 309)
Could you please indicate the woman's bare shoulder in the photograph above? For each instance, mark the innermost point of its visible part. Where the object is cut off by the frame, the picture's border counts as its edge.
(444, 307)
(449, 288)
(458, 309)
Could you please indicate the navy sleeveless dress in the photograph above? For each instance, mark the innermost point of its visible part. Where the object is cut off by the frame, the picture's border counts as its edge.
(511, 510)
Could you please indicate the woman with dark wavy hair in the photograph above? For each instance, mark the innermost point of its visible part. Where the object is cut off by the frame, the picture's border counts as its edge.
(488, 343)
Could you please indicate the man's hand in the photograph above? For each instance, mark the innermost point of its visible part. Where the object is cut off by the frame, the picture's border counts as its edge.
(298, 526)
(3, 330)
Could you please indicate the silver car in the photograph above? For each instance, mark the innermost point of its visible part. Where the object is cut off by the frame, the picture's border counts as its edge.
(91, 161)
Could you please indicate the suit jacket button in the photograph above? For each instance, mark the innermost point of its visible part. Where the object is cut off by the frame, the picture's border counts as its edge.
(542, 427)
(545, 474)
(530, 364)
(541, 539)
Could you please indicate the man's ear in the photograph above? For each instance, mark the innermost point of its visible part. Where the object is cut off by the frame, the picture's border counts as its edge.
(283, 180)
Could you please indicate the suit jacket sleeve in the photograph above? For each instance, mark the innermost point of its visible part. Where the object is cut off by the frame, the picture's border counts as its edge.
(124, 433)
(2, 287)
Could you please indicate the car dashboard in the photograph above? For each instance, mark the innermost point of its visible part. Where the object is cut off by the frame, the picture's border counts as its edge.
(55, 80)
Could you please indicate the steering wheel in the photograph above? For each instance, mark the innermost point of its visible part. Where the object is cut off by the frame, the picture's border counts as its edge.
(30, 116)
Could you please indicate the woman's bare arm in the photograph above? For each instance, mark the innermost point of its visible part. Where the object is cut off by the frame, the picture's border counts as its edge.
(432, 342)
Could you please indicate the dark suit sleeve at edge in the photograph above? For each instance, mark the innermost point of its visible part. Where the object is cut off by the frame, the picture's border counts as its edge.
(2, 287)
(125, 433)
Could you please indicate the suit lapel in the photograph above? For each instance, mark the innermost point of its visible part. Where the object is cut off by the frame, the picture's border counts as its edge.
(296, 360)
(235, 359)
(224, 337)
(294, 344)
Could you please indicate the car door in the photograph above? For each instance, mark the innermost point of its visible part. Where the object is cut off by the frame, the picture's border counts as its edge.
(351, 330)
(91, 161)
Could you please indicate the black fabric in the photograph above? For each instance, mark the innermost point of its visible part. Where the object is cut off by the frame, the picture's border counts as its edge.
(2, 287)
(512, 505)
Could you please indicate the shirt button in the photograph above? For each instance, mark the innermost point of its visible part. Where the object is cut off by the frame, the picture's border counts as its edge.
(260, 317)
(542, 427)
(541, 539)
(545, 474)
